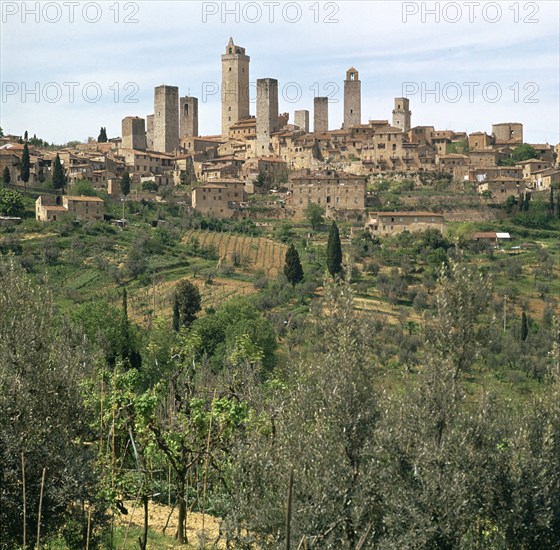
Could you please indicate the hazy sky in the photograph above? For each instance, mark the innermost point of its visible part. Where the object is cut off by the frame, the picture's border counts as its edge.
(483, 62)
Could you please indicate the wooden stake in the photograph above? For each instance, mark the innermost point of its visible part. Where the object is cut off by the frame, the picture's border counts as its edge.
(24, 502)
(207, 459)
(40, 507)
(289, 510)
(88, 527)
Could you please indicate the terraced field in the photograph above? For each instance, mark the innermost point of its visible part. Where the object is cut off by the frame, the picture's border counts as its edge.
(254, 253)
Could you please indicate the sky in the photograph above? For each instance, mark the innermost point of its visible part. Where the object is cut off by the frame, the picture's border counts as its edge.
(68, 68)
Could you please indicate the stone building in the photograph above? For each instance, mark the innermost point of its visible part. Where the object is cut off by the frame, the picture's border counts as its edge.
(150, 132)
(301, 120)
(480, 140)
(134, 133)
(392, 223)
(334, 191)
(267, 114)
(321, 115)
(402, 114)
(220, 199)
(531, 166)
(166, 119)
(502, 187)
(52, 208)
(235, 86)
(508, 133)
(352, 99)
(188, 116)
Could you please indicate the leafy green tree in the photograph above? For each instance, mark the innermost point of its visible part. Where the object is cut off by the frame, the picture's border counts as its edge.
(58, 179)
(83, 188)
(292, 266)
(25, 165)
(43, 420)
(314, 440)
(11, 203)
(314, 214)
(334, 252)
(102, 138)
(524, 152)
(125, 184)
(188, 301)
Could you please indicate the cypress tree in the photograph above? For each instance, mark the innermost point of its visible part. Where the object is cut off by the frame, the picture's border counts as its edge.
(526, 203)
(176, 314)
(6, 176)
(58, 179)
(558, 206)
(125, 184)
(102, 138)
(551, 203)
(292, 266)
(25, 165)
(125, 303)
(334, 251)
(25, 135)
(524, 326)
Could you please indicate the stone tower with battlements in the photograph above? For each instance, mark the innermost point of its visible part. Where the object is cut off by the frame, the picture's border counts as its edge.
(267, 113)
(235, 86)
(321, 115)
(352, 99)
(188, 116)
(301, 120)
(166, 119)
(134, 133)
(402, 114)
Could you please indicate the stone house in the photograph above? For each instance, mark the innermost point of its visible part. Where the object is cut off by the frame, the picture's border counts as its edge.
(336, 192)
(221, 199)
(52, 208)
(392, 223)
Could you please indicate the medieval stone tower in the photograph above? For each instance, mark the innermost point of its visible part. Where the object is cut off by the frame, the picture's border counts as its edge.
(321, 115)
(301, 120)
(235, 86)
(150, 132)
(508, 132)
(134, 133)
(267, 113)
(188, 116)
(352, 99)
(402, 114)
(166, 118)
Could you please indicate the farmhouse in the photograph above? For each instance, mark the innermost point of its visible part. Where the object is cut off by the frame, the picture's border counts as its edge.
(52, 208)
(332, 190)
(220, 199)
(392, 223)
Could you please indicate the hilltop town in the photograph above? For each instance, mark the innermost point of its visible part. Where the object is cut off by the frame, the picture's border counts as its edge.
(298, 156)
(287, 335)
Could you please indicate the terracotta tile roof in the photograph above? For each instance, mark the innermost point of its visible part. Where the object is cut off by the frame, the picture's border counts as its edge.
(83, 198)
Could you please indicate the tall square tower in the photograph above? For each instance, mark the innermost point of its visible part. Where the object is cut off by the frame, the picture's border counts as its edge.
(166, 118)
(352, 98)
(267, 113)
(235, 86)
(188, 116)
